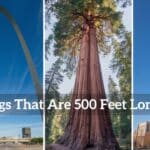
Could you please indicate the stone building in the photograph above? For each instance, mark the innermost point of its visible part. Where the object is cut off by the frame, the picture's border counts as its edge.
(142, 135)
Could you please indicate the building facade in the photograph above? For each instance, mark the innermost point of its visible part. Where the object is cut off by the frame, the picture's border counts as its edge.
(26, 132)
(142, 135)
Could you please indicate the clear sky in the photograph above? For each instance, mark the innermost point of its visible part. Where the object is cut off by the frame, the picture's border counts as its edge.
(14, 72)
(141, 52)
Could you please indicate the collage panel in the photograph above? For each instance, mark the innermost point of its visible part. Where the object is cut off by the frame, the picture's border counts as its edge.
(21, 75)
(88, 65)
(141, 82)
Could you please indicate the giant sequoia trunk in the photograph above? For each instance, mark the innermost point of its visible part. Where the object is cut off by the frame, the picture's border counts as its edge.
(89, 128)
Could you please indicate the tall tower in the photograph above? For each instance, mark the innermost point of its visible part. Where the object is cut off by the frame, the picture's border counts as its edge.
(26, 132)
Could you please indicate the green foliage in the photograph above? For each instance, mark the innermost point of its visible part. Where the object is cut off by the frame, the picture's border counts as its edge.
(48, 43)
(58, 122)
(71, 15)
(56, 128)
(54, 124)
(115, 114)
(53, 78)
(121, 63)
(120, 121)
(38, 140)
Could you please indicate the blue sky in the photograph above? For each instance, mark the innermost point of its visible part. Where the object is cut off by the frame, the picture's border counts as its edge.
(14, 73)
(141, 52)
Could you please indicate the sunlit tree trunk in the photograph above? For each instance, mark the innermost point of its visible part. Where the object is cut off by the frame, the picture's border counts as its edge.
(89, 128)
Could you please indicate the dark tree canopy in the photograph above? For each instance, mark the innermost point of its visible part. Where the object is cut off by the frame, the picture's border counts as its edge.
(71, 15)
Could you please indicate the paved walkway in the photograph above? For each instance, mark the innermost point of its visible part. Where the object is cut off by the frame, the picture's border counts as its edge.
(10, 146)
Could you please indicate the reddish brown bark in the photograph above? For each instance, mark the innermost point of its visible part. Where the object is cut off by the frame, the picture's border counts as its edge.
(89, 128)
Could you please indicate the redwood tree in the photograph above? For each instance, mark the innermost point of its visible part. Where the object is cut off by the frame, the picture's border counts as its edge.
(84, 28)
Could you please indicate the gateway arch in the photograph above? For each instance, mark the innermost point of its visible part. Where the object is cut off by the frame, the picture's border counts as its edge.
(32, 69)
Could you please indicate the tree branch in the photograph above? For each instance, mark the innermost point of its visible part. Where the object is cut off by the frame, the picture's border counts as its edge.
(101, 17)
(75, 13)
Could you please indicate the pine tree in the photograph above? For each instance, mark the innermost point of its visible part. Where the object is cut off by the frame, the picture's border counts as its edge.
(115, 114)
(53, 78)
(122, 65)
(83, 28)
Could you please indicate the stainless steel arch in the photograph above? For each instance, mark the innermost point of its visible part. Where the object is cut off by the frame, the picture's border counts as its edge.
(26, 51)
